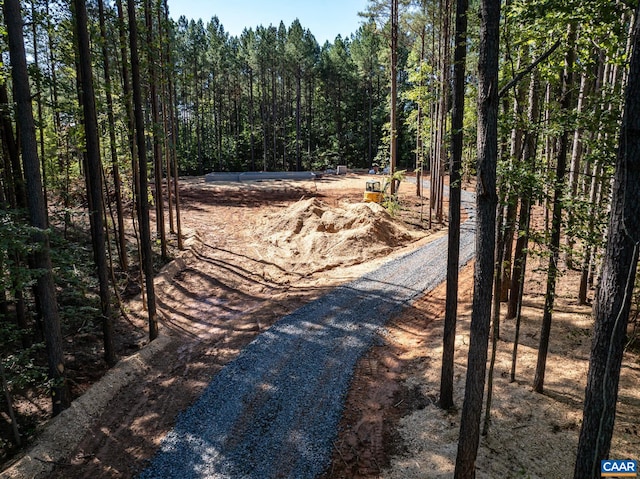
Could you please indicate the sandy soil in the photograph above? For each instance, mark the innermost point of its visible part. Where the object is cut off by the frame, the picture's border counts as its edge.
(256, 252)
(531, 435)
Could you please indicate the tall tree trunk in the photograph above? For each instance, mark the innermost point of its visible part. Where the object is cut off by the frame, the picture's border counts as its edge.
(126, 88)
(274, 117)
(173, 144)
(559, 185)
(495, 320)
(165, 98)
(54, 88)
(94, 178)
(14, 170)
(528, 158)
(511, 198)
(115, 168)
(394, 92)
(486, 201)
(196, 106)
(587, 254)
(41, 259)
(252, 122)
(613, 302)
(576, 154)
(298, 118)
(455, 186)
(17, 200)
(155, 121)
(142, 189)
(38, 95)
(445, 40)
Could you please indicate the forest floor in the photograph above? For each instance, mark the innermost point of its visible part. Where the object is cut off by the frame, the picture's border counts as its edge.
(253, 257)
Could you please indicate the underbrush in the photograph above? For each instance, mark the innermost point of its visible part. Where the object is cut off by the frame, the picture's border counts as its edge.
(26, 387)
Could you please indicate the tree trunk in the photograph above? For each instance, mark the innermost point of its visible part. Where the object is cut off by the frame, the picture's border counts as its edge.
(115, 169)
(142, 189)
(528, 158)
(455, 186)
(576, 155)
(586, 260)
(486, 201)
(94, 179)
(15, 179)
(559, 185)
(41, 259)
(38, 96)
(252, 122)
(165, 96)
(613, 302)
(298, 119)
(495, 319)
(173, 145)
(394, 92)
(155, 121)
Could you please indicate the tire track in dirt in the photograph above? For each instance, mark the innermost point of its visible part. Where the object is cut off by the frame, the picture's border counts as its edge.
(302, 367)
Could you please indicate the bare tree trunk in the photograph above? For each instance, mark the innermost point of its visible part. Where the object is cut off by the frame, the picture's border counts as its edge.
(559, 185)
(17, 199)
(298, 118)
(16, 180)
(252, 122)
(576, 154)
(41, 259)
(455, 187)
(515, 154)
(94, 179)
(486, 201)
(528, 158)
(155, 120)
(495, 315)
(173, 121)
(38, 95)
(117, 183)
(587, 254)
(166, 98)
(142, 189)
(613, 302)
(394, 92)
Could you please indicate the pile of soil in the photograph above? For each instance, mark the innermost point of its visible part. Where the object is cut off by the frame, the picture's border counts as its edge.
(323, 237)
(213, 299)
(239, 277)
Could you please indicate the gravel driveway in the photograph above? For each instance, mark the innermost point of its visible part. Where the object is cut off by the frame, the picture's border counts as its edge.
(273, 412)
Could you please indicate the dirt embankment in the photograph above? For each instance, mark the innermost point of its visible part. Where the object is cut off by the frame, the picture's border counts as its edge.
(232, 284)
(258, 252)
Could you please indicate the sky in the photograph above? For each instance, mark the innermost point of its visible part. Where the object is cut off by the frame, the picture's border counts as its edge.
(324, 18)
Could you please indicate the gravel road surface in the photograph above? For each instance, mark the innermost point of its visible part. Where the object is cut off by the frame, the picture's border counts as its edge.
(274, 411)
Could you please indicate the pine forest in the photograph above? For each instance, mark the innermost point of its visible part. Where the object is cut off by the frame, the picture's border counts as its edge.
(111, 111)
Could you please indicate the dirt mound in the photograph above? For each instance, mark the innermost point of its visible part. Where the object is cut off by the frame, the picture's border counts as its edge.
(322, 237)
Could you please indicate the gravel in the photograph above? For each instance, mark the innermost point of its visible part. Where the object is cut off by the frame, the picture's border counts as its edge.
(273, 412)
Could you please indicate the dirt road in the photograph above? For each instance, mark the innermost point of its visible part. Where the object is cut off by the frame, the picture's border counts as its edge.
(273, 411)
(257, 253)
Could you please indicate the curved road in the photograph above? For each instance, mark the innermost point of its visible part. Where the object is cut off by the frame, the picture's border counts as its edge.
(274, 411)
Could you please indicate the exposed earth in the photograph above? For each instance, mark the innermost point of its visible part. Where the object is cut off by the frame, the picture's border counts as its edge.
(257, 251)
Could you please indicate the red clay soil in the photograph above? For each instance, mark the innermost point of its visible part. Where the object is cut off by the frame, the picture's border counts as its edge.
(213, 302)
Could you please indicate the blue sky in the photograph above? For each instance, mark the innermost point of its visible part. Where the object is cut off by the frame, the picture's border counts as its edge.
(325, 18)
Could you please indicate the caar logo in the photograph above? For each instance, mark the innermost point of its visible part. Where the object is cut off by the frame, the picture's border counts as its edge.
(618, 468)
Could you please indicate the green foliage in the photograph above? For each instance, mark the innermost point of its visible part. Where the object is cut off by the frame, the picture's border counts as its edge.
(15, 243)
(391, 202)
(24, 372)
